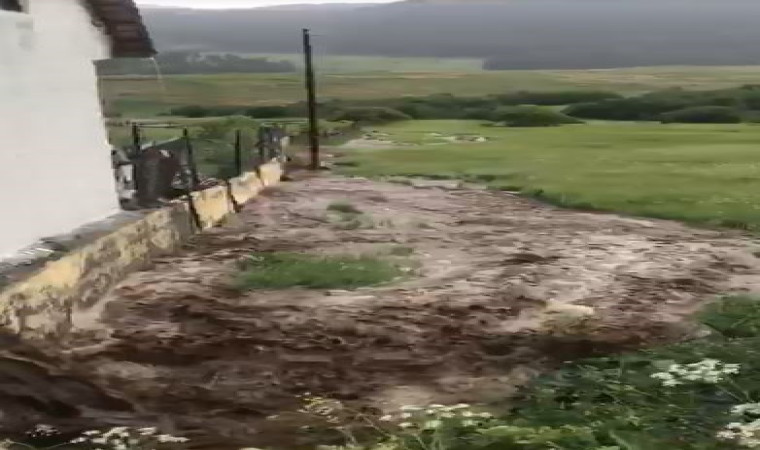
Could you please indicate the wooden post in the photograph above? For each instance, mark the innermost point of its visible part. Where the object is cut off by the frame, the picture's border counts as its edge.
(311, 93)
(194, 177)
(135, 156)
(238, 152)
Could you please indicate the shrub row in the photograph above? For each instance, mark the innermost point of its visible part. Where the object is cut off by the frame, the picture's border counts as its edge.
(441, 106)
(675, 105)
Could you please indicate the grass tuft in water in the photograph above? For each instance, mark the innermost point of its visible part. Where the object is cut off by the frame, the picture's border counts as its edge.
(287, 270)
(344, 208)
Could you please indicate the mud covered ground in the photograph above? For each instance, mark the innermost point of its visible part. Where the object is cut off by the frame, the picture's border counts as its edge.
(484, 310)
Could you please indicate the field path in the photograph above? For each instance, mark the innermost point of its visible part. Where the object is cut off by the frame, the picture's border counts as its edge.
(486, 308)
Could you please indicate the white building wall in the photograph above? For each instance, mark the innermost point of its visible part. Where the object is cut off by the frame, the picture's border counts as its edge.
(55, 169)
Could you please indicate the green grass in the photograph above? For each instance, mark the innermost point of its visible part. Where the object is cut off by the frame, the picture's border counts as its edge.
(344, 207)
(707, 174)
(618, 399)
(734, 317)
(603, 403)
(348, 63)
(144, 96)
(287, 270)
(402, 250)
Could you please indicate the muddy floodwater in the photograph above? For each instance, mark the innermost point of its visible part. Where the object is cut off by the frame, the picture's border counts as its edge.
(178, 347)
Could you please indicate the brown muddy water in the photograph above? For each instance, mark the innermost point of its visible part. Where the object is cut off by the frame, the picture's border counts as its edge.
(496, 278)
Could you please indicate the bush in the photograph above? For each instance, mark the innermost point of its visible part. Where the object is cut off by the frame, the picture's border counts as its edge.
(478, 114)
(532, 116)
(370, 115)
(642, 108)
(703, 114)
(556, 98)
(223, 128)
(269, 112)
(652, 106)
(197, 111)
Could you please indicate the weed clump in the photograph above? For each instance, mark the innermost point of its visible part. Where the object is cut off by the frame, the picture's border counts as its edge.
(287, 270)
(344, 207)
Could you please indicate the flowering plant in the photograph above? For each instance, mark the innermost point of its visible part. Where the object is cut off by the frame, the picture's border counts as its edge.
(125, 438)
(709, 371)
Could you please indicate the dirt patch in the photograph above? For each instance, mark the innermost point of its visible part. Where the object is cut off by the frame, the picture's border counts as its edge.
(470, 325)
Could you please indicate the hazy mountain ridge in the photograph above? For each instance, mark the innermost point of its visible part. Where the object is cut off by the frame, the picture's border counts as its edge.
(513, 33)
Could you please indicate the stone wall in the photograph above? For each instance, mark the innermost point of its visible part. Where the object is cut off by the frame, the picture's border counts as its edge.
(46, 300)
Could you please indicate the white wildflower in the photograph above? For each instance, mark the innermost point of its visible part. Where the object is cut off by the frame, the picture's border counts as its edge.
(411, 408)
(406, 425)
(147, 431)
(710, 371)
(164, 438)
(468, 414)
(406, 415)
(116, 431)
(469, 423)
(731, 368)
(748, 408)
(436, 406)
(45, 429)
(120, 446)
(461, 406)
(386, 418)
(78, 440)
(726, 435)
(91, 433)
(486, 415)
(447, 415)
(744, 434)
(432, 424)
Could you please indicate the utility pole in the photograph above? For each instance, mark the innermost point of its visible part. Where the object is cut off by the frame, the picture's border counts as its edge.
(311, 92)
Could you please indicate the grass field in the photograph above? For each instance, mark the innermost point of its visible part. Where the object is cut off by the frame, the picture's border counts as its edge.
(146, 96)
(347, 63)
(706, 174)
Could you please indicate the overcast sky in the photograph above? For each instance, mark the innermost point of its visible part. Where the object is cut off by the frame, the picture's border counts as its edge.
(245, 3)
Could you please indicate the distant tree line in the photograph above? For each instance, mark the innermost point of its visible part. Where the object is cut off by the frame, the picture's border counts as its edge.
(186, 62)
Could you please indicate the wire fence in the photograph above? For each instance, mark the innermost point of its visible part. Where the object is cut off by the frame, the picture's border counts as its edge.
(150, 173)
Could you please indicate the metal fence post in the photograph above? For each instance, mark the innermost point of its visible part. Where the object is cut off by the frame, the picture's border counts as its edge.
(190, 181)
(238, 152)
(262, 144)
(195, 179)
(135, 156)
